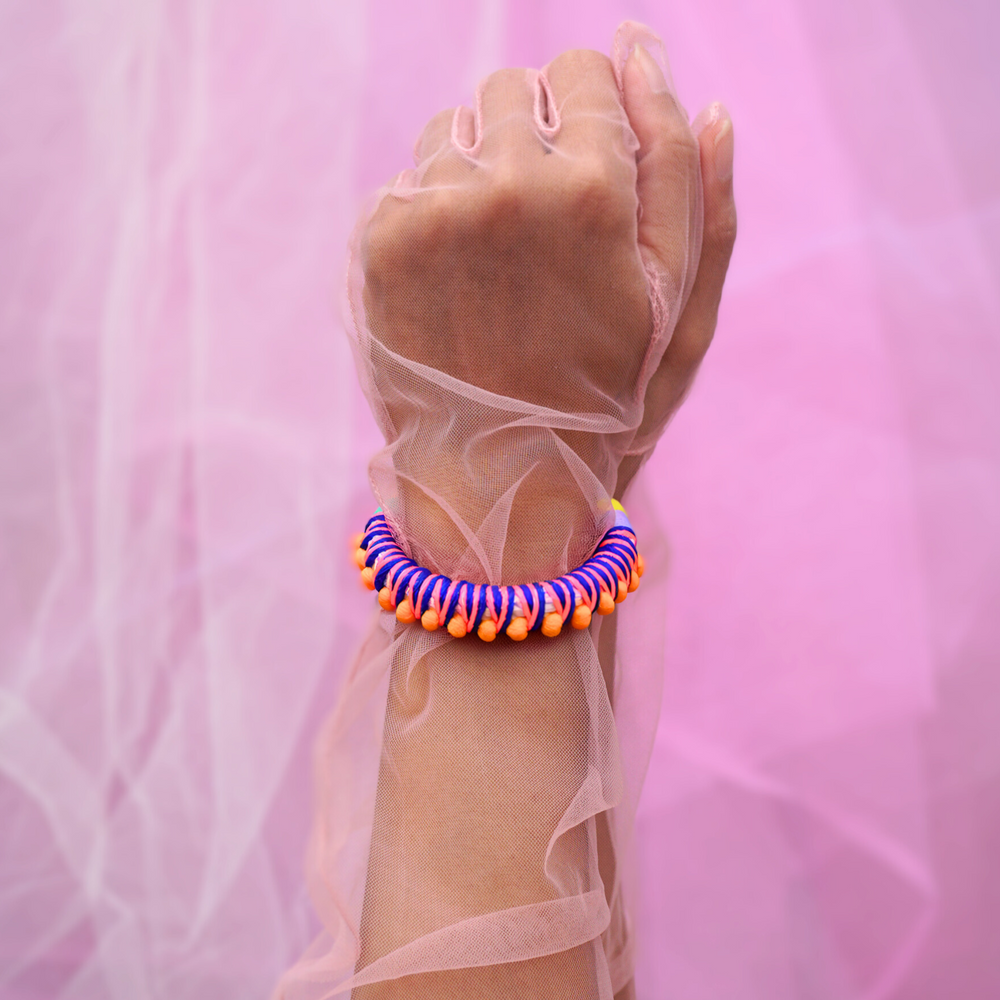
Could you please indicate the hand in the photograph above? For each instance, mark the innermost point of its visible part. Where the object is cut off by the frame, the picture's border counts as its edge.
(514, 297)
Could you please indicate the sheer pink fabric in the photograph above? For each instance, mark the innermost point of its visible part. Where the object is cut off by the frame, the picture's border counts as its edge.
(506, 318)
(185, 449)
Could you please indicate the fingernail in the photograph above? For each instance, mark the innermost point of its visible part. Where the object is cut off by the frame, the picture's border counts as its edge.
(654, 75)
(724, 146)
(706, 118)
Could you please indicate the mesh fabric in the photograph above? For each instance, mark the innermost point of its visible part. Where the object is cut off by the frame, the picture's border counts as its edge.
(475, 802)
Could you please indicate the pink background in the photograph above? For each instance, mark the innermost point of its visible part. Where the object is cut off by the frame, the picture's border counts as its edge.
(184, 449)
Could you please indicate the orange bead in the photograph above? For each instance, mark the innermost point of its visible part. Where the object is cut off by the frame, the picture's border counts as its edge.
(607, 604)
(552, 624)
(356, 540)
(359, 558)
(622, 592)
(404, 612)
(633, 584)
(429, 619)
(487, 630)
(518, 629)
(640, 564)
(385, 599)
(456, 628)
(368, 577)
(581, 616)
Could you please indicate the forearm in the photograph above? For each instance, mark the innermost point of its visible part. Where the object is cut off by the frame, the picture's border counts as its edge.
(492, 768)
(489, 782)
(510, 314)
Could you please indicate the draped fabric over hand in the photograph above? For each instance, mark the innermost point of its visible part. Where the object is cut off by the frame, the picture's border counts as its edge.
(508, 312)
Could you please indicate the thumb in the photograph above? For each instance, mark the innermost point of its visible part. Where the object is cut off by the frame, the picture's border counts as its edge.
(669, 177)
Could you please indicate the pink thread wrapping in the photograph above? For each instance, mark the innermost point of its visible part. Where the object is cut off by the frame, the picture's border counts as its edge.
(477, 590)
(435, 600)
(419, 602)
(393, 582)
(504, 601)
(530, 614)
(557, 604)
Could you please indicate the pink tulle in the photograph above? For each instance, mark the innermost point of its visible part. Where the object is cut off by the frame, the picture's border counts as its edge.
(185, 452)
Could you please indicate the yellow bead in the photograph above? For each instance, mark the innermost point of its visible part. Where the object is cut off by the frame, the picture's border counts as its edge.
(633, 584)
(359, 557)
(552, 624)
(581, 616)
(404, 612)
(385, 599)
(518, 629)
(429, 619)
(368, 577)
(640, 564)
(607, 604)
(487, 630)
(456, 628)
(622, 592)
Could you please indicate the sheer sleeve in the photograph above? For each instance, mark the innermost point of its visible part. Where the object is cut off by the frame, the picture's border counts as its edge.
(476, 799)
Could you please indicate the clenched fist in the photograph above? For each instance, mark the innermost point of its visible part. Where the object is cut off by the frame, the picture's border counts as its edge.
(531, 303)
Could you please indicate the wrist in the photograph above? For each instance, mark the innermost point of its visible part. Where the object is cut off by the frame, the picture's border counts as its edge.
(415, 591)
(490, 524)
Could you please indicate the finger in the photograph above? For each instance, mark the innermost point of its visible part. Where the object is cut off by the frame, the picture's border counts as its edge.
(589, 103)
(696, 326)
(695, 329)
(505, 105)
(441, 151)
(435, 137)
(668, 169)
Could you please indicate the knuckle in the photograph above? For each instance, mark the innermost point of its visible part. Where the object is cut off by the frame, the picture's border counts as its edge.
(684, 144)
(721, 229)
(400, 234)
(674, 155)
(692, 348)
(378, 235)
(597, 193)
(580, 62)
(507, 198)
(380, 255)
(677, 143)
(440, 124)
(437, 132)
(688, 142)
(504, 81)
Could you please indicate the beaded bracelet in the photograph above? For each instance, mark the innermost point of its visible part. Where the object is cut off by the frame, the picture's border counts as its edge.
(603, 581)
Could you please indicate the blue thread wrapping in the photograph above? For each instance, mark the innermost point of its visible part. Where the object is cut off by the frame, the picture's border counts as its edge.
(587, 584)
(404, 576)
(453, 603)
(439, 582)
(527, 598)
(498, 594)
(613, 560)
(416, 582)
(480, 608)
(383, 572)
(540, 598)
(567, 595)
